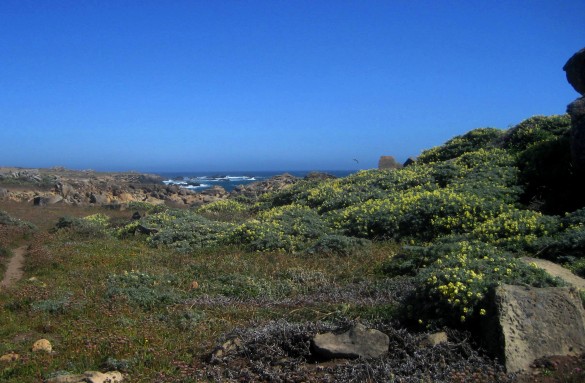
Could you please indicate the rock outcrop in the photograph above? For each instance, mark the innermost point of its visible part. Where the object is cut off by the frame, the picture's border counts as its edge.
(256, 189)
(356, 342)
(575, 70)
(44, 187)
(530, 323)
(388, 162)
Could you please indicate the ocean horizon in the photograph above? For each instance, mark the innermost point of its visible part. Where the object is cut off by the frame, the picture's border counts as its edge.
(201, 180)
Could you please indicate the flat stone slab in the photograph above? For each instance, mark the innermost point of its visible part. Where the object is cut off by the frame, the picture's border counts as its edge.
(535, 322)
(358, 341)
(556, 270)
(89, 377)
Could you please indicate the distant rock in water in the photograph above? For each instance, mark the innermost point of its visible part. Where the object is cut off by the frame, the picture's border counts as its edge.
(575, 69)
(388, 162)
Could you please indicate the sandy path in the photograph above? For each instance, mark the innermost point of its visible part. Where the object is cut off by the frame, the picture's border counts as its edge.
(14, 269)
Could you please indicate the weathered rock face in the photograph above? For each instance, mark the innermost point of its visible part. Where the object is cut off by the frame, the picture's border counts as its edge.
(576, 110)
(49, 200)
(357, 342)
(534, 322)
(575, 70)
(388, 162)
(48, 186)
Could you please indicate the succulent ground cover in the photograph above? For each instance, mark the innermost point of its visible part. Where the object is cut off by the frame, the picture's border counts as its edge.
(406, 251)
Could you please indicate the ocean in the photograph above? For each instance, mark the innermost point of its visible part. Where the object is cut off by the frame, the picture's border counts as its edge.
(230, 179)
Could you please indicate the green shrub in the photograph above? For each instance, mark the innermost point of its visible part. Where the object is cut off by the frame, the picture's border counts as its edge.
(515, 229)
(288, 229)
(5, 252)
(455, 147)
(93, 226)
(144, 290)
(6, 219)
(225, 210)
(452, 289)
(182, 230)
(52, 306)
(534, 130)
(418, 215)
(565, 246)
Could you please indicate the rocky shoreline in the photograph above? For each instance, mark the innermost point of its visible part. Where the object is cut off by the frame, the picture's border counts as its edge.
(115, 189)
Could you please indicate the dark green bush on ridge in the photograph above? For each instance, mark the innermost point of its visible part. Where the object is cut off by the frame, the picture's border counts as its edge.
(534, 130)
(469, 142)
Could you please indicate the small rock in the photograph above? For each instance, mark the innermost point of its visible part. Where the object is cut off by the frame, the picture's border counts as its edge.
(434, 339)
(409, 161)
(225, 348)
(357, 342)
(89, 377)
(42, 345)
(10, 357)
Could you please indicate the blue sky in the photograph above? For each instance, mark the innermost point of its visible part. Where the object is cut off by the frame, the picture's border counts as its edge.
(271, 85)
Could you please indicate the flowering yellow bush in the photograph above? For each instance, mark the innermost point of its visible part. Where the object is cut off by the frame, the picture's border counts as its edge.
(453, 287)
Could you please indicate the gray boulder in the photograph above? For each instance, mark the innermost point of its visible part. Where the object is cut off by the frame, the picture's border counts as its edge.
(576, 110)
(530, 323)
(356, 342)
(98, 199)
(3, 193)
(575, 71)
(47, 200)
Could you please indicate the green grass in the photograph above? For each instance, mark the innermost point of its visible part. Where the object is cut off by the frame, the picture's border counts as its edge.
(86, 299)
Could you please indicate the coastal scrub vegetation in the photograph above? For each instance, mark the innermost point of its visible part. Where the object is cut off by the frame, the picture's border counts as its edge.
(418, 247)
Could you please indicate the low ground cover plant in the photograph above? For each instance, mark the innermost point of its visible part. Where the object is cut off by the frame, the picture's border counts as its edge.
(420, 247)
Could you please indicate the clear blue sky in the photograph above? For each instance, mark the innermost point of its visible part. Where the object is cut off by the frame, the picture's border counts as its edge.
(271, 85)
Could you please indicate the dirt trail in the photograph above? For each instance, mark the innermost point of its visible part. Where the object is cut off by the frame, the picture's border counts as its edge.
(14, 269)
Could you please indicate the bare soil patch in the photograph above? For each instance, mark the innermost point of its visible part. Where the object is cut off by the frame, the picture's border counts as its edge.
(14, 269)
